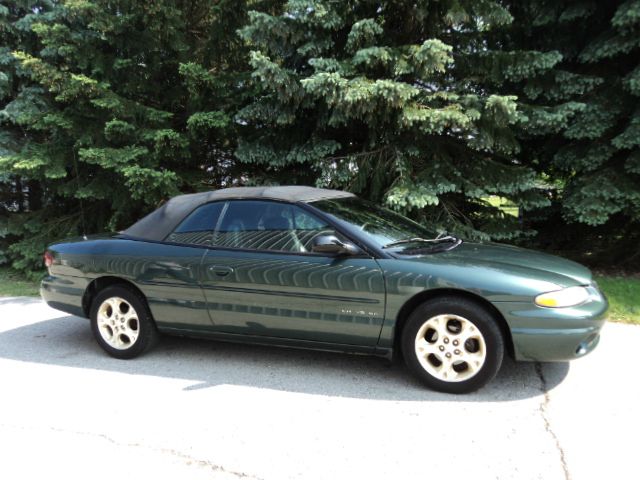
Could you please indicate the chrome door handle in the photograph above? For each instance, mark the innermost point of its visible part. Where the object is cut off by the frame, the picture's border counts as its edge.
(220, 270)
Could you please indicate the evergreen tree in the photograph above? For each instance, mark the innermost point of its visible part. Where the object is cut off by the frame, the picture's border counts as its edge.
(100, 115)
(391, 100)
(20, 102)
(591, 157)
(432, 107)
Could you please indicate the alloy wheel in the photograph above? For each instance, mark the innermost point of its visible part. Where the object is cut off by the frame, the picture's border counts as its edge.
(450, 348)
(118, 323)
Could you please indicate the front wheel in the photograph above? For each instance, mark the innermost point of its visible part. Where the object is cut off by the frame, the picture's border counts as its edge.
(453, 345)
(121, 322)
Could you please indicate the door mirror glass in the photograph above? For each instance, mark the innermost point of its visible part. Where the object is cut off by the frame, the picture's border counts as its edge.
(332, 245)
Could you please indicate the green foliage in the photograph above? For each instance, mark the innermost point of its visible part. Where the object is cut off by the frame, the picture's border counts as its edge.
(13, 284)
(102, 114)
(201, 122)
(432, 107)
(588, 136)
(394, 101)
(623, 294)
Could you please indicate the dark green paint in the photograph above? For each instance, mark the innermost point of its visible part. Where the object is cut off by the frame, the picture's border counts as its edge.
(314, 301)
(296, 296)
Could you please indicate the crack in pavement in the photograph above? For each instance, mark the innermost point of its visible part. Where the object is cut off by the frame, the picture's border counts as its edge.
(547, 424)
(189, 460)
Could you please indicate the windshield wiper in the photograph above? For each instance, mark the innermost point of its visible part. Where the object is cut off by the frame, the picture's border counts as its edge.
(438, 239)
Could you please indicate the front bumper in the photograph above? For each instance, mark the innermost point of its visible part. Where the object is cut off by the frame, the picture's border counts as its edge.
(553, 334)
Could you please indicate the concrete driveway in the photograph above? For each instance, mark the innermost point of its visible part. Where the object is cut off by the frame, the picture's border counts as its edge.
(195, 409)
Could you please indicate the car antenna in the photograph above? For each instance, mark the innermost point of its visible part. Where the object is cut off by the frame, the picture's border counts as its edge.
(82, 221)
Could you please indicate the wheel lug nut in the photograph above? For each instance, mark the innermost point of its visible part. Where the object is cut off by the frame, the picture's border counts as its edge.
(455, 342)
(448, 355)
(456, 351)
(446, 340)
(441, 348)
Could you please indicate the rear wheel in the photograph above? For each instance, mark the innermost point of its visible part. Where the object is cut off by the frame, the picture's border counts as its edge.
(121, 322)
(452, 344)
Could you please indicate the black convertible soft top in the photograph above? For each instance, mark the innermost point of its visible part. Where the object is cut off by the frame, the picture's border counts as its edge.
(161, 222)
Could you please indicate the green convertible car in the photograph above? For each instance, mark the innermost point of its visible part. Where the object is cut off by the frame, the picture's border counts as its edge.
(323, 269)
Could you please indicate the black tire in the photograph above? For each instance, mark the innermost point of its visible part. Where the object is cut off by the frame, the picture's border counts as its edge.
(139, 322)
(485, 338)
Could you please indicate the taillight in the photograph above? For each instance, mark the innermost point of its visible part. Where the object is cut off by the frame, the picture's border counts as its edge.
(48, 258)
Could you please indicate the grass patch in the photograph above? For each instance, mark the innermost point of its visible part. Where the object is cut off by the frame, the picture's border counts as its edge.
(13, 284)
(623, 294)
(503, 204)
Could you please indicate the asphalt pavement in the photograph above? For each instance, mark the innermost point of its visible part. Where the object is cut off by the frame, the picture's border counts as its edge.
(195, 409)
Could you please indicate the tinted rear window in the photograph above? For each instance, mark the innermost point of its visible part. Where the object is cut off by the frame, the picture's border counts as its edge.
(197, 228)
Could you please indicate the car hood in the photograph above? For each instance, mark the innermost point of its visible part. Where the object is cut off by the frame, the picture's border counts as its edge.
(510, 258)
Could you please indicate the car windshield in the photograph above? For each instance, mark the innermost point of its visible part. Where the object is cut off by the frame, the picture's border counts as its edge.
(383, 227)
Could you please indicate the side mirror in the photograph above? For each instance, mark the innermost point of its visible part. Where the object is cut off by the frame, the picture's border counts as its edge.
(330, 244)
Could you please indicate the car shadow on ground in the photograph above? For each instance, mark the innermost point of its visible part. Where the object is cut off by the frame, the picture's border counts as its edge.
(67, 341)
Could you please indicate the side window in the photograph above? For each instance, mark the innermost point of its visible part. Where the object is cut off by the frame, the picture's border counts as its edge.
(197, 228)
(261, 225)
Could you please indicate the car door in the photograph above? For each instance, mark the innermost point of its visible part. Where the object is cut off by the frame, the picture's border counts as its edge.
(170, 274)
(261, 278)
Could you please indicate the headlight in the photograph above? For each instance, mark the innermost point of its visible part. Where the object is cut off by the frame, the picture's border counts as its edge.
(567, 297)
